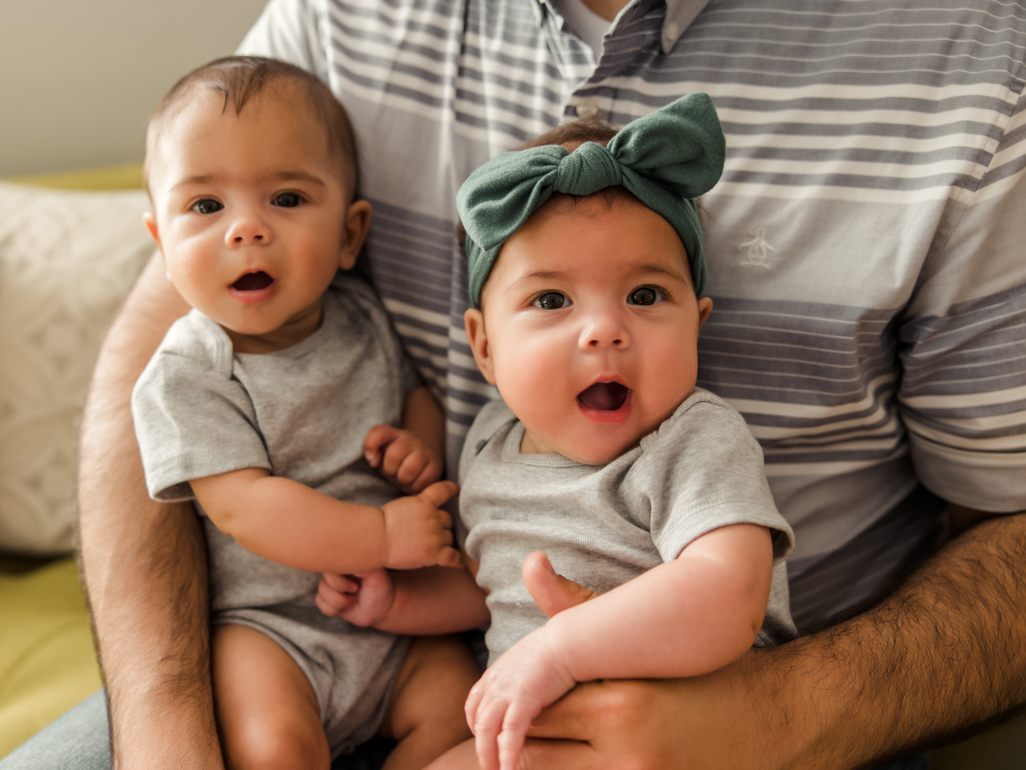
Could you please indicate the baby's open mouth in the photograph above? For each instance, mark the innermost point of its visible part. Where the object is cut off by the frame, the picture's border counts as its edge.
(253, 281)
(604, 396)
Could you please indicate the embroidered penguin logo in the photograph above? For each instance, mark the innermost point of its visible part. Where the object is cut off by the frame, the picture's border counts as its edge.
(757, 249)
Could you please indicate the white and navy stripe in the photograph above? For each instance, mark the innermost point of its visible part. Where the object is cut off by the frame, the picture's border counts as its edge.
(865, 243)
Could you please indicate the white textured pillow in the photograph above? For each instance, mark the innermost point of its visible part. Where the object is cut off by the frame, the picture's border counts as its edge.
(67, 260)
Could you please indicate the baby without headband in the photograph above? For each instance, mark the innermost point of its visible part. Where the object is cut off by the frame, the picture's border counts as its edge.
(666, 159)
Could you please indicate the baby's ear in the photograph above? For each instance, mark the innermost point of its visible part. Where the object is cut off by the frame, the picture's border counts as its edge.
(151, 224)
(705, 306)
(357, 223)
(473, 321)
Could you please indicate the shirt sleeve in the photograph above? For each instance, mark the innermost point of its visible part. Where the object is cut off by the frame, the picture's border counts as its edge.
(290, 30)
(192, 421)
(703, 470)
(962, 343)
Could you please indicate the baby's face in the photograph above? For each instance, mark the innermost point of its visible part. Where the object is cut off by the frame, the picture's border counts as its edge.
(590, 326)
(251, 214)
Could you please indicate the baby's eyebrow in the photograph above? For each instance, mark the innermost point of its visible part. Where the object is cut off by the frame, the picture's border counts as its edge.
(288, 176)
(542, 275)
(198, 179)
(680, 276)
(279, 176)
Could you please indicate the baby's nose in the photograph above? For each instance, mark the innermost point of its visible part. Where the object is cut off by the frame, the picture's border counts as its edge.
(605, 330)
(248, 229)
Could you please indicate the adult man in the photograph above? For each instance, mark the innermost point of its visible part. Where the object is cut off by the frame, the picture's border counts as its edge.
(866, 263)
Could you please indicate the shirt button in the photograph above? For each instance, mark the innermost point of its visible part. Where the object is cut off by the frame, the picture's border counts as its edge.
(587, 108)
(673, 30)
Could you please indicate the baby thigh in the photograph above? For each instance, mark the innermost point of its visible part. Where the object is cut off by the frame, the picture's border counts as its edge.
(266, 709)
(425, 713)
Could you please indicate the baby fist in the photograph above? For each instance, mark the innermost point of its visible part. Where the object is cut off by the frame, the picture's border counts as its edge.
(401, 457)
(418, 532)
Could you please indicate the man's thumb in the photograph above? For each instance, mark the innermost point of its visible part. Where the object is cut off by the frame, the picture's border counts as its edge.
(551, 592)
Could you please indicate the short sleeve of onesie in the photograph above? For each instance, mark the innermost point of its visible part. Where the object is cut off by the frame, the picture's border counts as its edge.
(191, 418)
(702, 470)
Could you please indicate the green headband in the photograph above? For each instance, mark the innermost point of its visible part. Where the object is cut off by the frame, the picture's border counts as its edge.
(666, 159)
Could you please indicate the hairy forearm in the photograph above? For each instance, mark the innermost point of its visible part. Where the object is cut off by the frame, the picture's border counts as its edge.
(144, 564)
(434, 600)
(683, 618)
(940, 654)
(289, 523)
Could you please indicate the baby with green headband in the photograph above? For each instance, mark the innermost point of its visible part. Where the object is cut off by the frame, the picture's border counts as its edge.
(603, 462)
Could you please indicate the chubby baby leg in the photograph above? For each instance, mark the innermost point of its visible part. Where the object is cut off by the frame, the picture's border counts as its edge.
(266, 709)
(425, 713)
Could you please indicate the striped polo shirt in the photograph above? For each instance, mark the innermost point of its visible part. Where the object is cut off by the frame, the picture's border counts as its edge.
(866, 245)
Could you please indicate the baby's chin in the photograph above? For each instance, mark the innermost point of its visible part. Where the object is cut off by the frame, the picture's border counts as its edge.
(585, 449)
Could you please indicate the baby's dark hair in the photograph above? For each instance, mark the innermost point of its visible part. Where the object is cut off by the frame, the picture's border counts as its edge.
(240, 79)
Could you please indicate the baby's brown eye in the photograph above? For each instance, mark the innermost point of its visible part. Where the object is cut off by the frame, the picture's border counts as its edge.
(646, 295)
(287, 200)
(207, 206)
(551, 300)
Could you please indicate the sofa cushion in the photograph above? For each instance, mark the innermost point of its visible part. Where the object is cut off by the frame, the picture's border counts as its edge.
(47, 663)
(67, 259)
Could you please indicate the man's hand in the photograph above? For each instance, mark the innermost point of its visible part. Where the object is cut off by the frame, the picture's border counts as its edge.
(417, 532)
(402, 458)
(362, 600)
(940, 654)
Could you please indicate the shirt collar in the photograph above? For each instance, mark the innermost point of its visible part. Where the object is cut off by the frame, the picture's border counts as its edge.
(679, 15)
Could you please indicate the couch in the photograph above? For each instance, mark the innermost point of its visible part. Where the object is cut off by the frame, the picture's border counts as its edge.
(67, 258)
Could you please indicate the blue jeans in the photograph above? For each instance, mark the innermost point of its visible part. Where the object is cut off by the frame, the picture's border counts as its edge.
(78, 741)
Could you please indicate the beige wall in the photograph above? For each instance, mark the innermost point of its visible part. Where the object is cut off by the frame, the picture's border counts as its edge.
(78, 78)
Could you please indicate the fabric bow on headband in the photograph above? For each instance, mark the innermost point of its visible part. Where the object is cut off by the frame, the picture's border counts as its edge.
(666, 159)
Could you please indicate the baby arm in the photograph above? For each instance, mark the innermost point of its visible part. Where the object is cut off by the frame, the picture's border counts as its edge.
(291, 524)
(683, 618)
(429, 601)
(410, 457)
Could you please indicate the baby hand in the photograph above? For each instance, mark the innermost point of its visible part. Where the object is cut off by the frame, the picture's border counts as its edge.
(363, 600)
(417, 532)
(401, 457)
(513, 691)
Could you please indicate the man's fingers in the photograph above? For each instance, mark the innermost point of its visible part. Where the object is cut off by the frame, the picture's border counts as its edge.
(551, 592)
(551, 754)
(573, 716)
(439, 492)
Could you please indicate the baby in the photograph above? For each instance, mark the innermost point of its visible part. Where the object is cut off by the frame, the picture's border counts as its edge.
(275, 405)
(586, 274)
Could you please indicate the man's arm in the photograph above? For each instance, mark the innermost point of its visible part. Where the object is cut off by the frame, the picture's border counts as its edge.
(941, 654)
(144, 563)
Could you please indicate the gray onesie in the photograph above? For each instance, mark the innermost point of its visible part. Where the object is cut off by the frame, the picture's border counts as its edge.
(301, 413)
(602, 525)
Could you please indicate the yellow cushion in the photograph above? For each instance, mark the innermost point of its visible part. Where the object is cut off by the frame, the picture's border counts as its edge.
(47, 664)
(124, 177)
